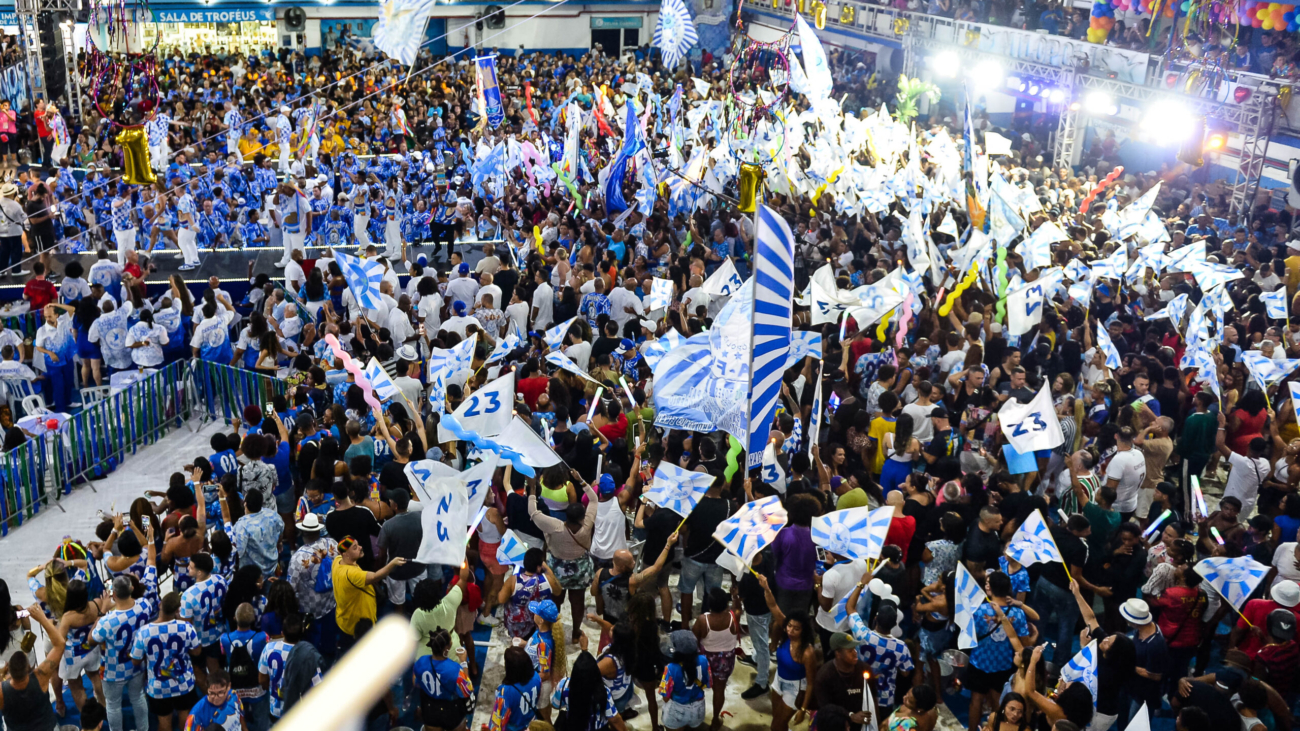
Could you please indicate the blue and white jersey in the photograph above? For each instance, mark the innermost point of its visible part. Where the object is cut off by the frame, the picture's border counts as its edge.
(165, 650)
(148, 355)
(333, 233)
(11, 337)
(173, 321)
(121, 214)
(73, 289)
(57, 339)
(293, 207)
(109, 331)
(271, 664)
(201, 604)
(16, 370)
(212, 337)
(235, 121)
(156, 128)
(106, 273)
(116, 631)
(186, 205)
(283, 129)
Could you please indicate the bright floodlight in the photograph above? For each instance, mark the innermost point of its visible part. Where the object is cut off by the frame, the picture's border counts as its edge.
(1033, 89)
(945, 63)
(988, 74)
(1056, 97)
(1170, 119)
(1099, 102)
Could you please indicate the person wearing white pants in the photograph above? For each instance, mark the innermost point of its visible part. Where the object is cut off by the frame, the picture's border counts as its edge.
(123, 222)
(187, 229)
(156, 136)
(234, 122)
(361, 216)
(283, 137)
(295, 218)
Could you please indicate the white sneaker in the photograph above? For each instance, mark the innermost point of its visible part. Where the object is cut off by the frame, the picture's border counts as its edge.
(489, 621)
(187, 267)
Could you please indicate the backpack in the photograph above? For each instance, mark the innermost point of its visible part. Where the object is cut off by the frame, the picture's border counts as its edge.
(243, 668)
(325, 575)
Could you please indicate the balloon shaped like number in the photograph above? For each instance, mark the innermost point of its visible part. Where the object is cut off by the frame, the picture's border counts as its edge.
(965, 284)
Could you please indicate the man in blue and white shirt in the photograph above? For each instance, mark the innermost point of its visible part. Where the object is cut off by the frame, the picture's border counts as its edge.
(116, 631)
(54, 348)
(165, 648)
(295, 220)
(155, 131)
(201, 605)
(123, 217)
(187, 227)
(211, 340)
(283, 135)
(258, 533)
(234, 123)
(270, 666)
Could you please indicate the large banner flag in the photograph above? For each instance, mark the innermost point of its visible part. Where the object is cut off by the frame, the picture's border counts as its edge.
(554, 337)
(752, 528)
(445, 521)
(1033, 542)
(1082, 668)
(487, 411)
(654, 350)
(770, 334)
(675, 33)
(399, 32)
(968, 595)
(363, 278)
(857, 533)
(1233, 578)
(1275, 303)
(380, 382)
(1033, 426)
(1024, 308)
(489, 92)
(1265, 370)
(677, 489)
(633, 142)
(724, 281)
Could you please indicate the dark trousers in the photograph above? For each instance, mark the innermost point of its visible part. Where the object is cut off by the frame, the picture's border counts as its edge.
(11, 252)
(442, 233)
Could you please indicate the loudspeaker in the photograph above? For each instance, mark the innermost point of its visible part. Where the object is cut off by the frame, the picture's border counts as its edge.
(295, 20)
(51, 37)
(493, 17)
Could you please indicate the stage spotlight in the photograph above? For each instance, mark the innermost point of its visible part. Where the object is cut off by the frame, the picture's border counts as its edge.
(945, 64)
(1099, 102)
(1056, 97)
(1033, 89)
(1169, 120)
(1215, 141)
(988, 74)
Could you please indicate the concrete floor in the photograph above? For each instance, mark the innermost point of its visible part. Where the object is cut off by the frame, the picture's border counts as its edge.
(35, 541)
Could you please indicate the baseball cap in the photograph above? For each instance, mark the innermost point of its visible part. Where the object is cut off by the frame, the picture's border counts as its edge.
(545, 609)
(1229, 678)
(624, 345)
(463, 268)
(458, 307)
(605, 485)
(841, 641)
(649, 325)
(939, 412)
(1281, 624)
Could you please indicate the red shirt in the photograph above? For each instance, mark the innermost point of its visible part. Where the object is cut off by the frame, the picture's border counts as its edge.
(132, 269)
(615, 430)
(471, 596)
(900, 533)
(533, 387)
(42, 129)
(1256, 611)
(40, 292)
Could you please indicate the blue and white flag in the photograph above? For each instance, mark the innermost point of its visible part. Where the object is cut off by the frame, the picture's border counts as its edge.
(1077, 271)
(380, 382)
(1037, 249)
(490, 164)
(1265, 370)
(554, 337)
(460, 433)
(1081, 292)
(399, 32)
(1082, 668)
(487, 411)
(661, 295)
(444, 520)
(677, 489)
(815, 419)
(752, 528)
(363, 278)
(1233, 578)
(505, 346)
(1113, 266)
(968, 595)
(804, 344)
(438, 391)
(633, 142)
(1198, 356)
(770, 334)
(1175, 310)
(1149, 257)
(1024, 306)
(793, 444)
(1033, 542)
(771, 471)
(856, 533)
(654, 350)
(1275, 303)
(724, 281)
(675, 33)
(1184, 259)
(511, 550)
(816, 67)
(1107, 347)
(564, 362)
(489, 92)
(1208, 276)
(453, 360)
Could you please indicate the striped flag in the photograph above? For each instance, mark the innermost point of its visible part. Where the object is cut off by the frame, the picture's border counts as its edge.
(857, 533)
(554, 337)
(815, 419)
(511, 550)
(770, 333)
(1233, 578)
(1275, 303)
(400, 28)
(505, 346)
(380, 382)
(752, 528)
(677, 489)
(1033, 542)
(1107, 347)
(968, 595)
(1265, 370)
(675, 33)
(1082, 668)
(363, 278)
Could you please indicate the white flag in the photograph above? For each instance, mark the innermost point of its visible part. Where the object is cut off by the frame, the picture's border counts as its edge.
(487, 411)
(445, 521)
(1024, 308)
(661, 295)
(478, 481)
(724, 281)
(1032, 426)
(773, 474)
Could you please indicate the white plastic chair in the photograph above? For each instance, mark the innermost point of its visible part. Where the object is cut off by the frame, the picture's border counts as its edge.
(94, 394)
(34, 404)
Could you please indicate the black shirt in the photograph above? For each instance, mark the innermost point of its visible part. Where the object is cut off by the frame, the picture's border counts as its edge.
(700, 545)
(981, 547)
(603, 346)
(658, 527)
(1073, 550)
(358, 522)
(393, 475)
(1215, 704)
(752, 597)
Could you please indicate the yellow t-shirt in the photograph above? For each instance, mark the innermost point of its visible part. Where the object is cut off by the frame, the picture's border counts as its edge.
(354, 597)
(880, 426)
(1292, 274)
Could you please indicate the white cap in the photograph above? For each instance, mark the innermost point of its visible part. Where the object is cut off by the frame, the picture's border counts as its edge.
(1286, 593)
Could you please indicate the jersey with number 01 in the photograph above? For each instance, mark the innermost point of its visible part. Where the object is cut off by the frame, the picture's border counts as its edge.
(165, 649)
(515, 706)
(116, 631)
(442, 679)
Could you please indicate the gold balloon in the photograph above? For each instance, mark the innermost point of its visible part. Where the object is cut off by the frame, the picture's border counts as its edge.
(848, 14)
(751, 178)
(135, 156)
(819, 14)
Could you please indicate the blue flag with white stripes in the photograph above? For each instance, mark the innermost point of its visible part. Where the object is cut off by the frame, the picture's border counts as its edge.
(770, 334)
(1082, 668)
(363, 277)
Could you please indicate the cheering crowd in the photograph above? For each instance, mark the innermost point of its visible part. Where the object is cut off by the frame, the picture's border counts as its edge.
(1087, 504)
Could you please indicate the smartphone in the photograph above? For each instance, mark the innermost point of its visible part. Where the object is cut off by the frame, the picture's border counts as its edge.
(821, 555)
(270, 411)
(833, 403)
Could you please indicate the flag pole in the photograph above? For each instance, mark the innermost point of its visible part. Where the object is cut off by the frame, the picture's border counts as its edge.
(1058, 548)
(1229, 603)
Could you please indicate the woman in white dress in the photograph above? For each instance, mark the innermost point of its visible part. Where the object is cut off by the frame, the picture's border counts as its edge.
(145, 339)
